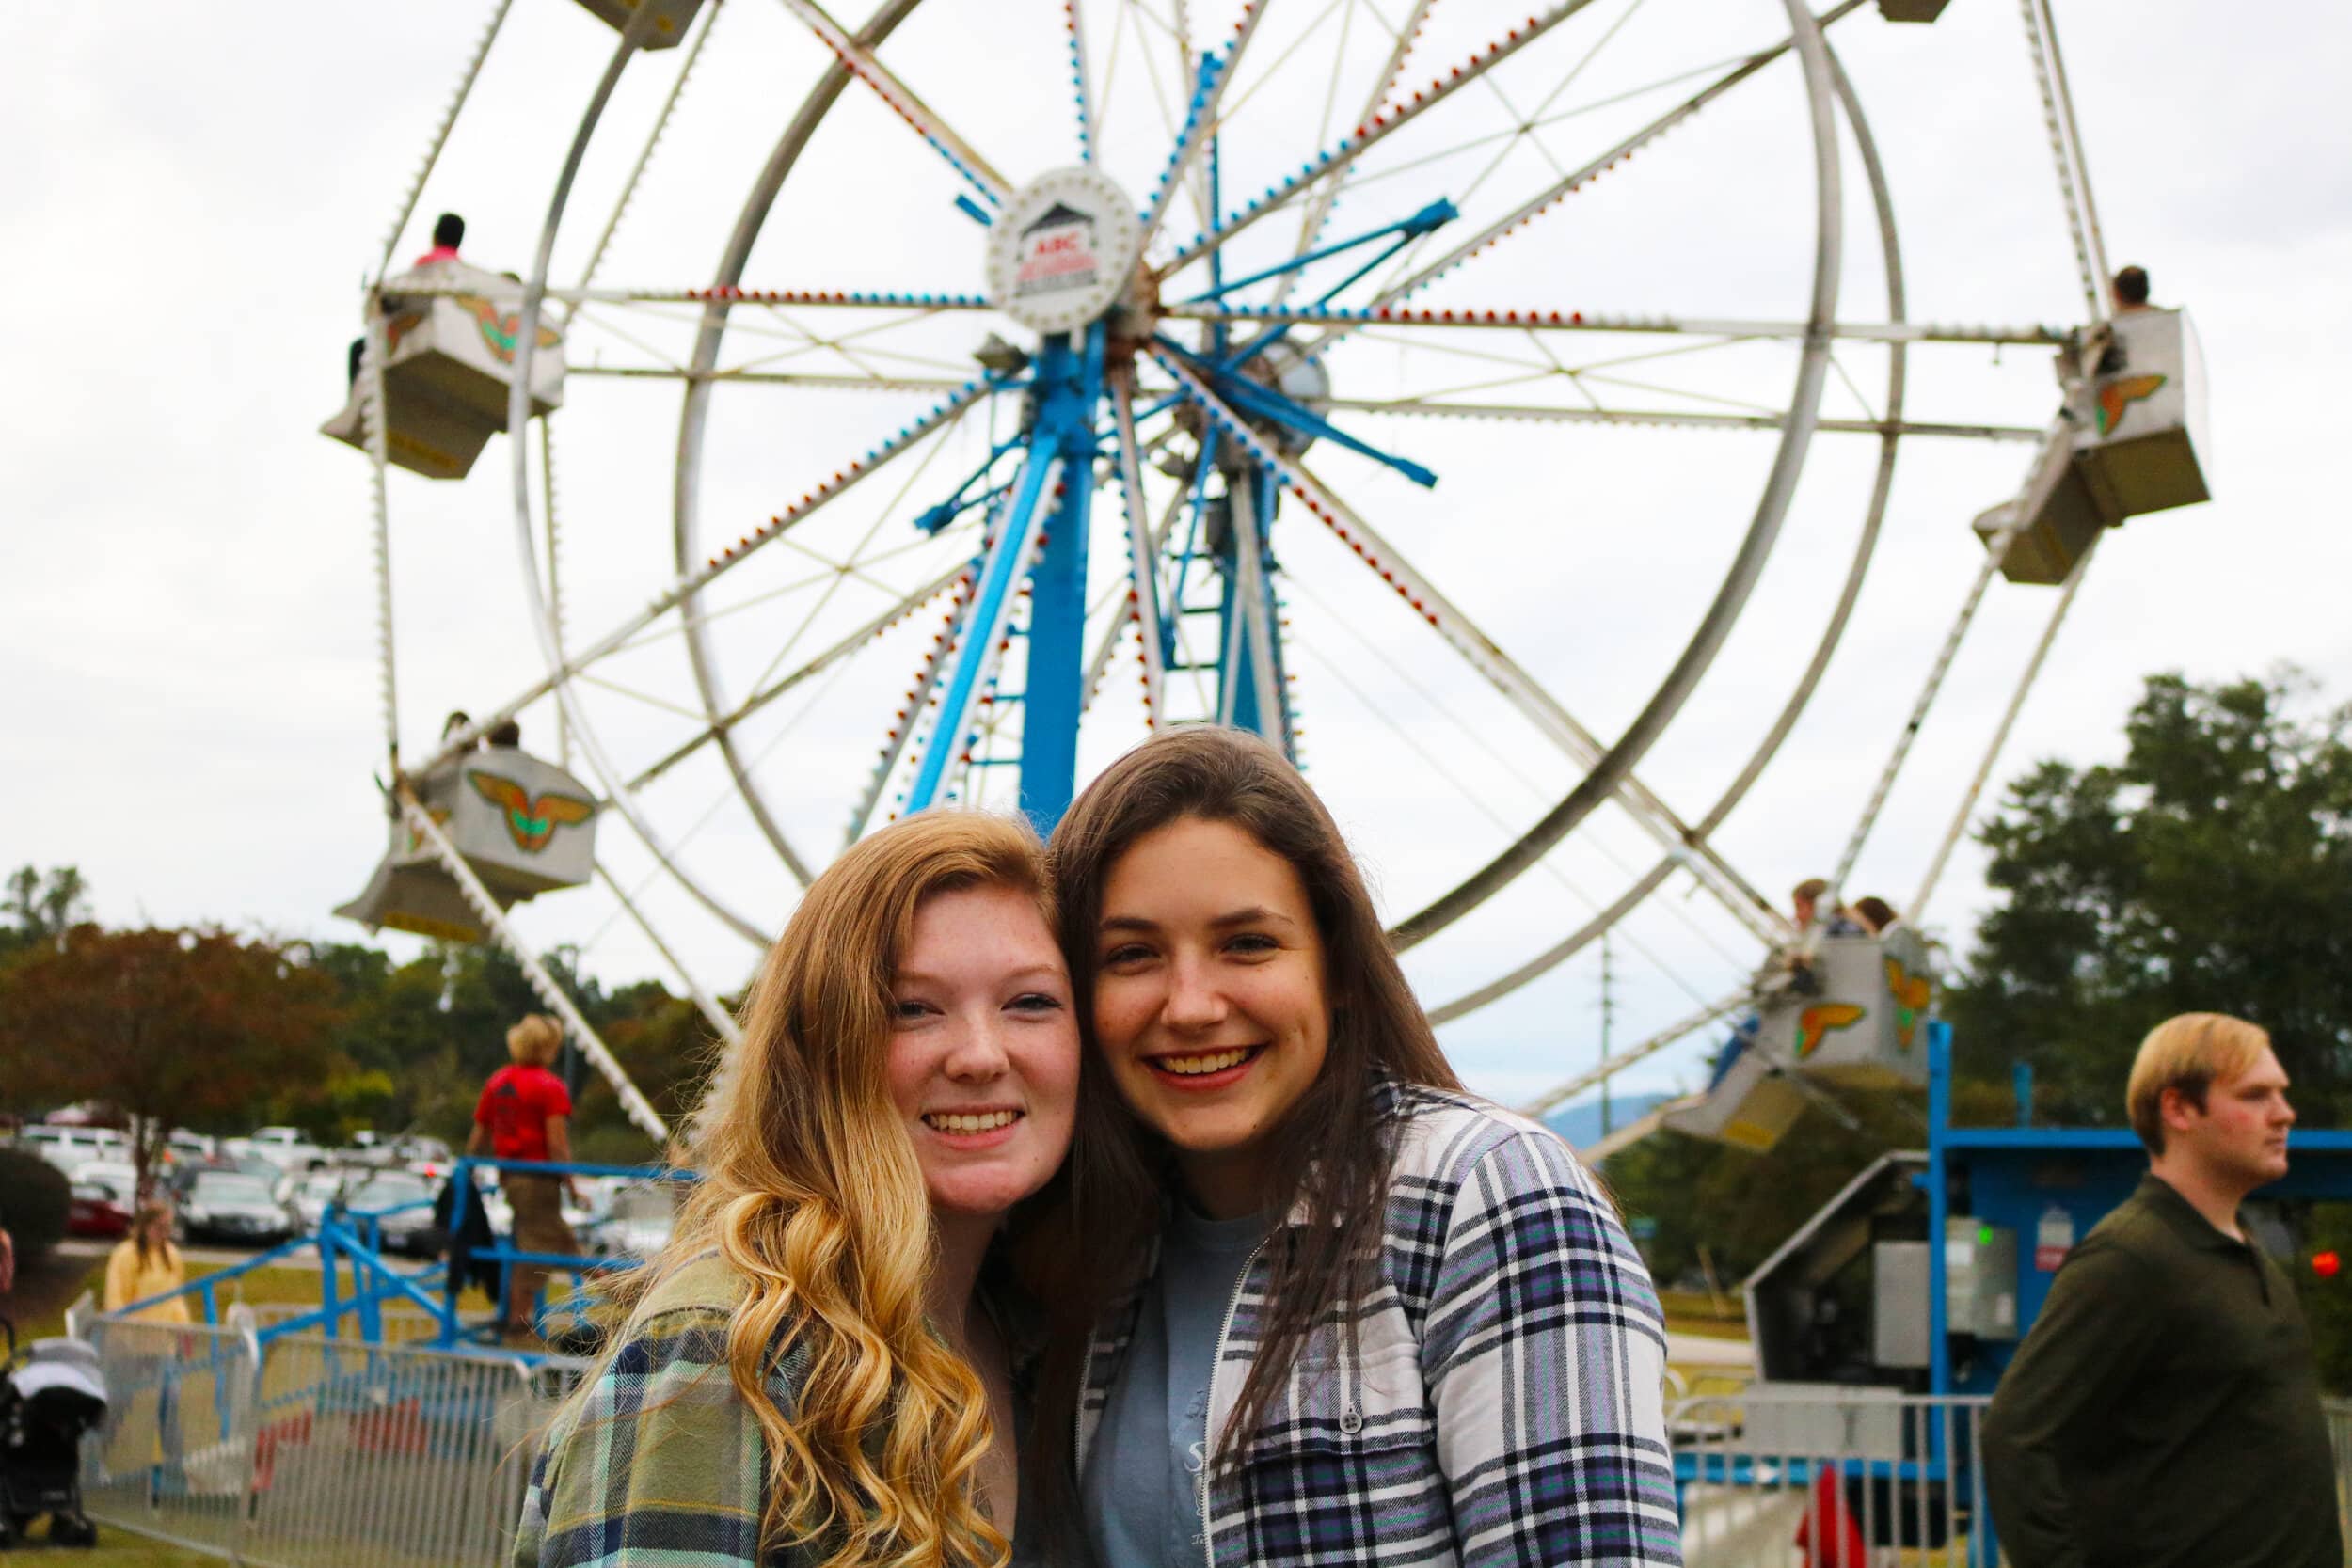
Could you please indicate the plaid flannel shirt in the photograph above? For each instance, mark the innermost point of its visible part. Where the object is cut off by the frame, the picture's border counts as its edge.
(1505, 1405)
(662, 1465)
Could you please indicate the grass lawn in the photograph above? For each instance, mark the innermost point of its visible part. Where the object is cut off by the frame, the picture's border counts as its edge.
(1694, 1312)
(259, 1288)
(116, 1548)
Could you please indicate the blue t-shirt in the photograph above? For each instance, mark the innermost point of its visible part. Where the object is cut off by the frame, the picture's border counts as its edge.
(1141, 1491)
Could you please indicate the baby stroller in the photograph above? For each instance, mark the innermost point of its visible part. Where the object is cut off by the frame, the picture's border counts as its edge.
(49, 1397)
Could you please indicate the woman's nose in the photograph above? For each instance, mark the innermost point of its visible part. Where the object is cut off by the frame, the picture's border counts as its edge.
(1194, 999)
(979, 1053)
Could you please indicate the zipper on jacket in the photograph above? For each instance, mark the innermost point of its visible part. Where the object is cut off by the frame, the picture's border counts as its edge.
(1217, 1360)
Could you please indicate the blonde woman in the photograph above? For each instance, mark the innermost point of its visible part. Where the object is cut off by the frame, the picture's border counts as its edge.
(813, 1374)
(145, 1264)
(525, 1113)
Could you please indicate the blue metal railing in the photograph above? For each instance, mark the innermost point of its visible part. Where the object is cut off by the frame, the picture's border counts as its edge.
(353, 1239)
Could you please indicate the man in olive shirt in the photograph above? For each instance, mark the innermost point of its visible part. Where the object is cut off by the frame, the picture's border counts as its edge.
(2165, 1409)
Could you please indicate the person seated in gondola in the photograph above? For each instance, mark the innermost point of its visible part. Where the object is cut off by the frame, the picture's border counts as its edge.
(2128, 290)
(1877, 915)
(1804, 901)
(449, 232)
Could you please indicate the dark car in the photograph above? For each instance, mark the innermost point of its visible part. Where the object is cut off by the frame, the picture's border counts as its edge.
(93, 1209)
(408, 1228)
(232, 1206)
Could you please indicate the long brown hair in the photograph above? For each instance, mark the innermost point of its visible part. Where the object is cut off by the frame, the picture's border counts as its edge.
(812, 1191)
(151, 1216)
(1119, 1170)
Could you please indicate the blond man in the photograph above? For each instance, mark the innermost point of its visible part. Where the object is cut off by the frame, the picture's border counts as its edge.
(2165, 1409)
(525, 1113)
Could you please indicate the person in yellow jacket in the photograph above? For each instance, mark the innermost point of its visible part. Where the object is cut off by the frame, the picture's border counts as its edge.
(147, 1264)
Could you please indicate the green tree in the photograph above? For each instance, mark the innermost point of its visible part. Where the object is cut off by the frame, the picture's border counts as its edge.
(2210, 871)
(172, 1027)
(38, 905)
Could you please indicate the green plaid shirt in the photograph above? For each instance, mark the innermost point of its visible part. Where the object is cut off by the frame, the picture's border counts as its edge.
(661, 1466)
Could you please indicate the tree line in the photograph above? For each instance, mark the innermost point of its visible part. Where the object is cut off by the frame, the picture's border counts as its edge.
(219, 1031)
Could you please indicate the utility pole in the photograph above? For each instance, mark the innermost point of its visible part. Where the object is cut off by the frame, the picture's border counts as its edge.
(1608, 1017)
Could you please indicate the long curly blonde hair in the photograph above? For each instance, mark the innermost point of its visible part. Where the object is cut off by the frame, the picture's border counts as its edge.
(812, 1191)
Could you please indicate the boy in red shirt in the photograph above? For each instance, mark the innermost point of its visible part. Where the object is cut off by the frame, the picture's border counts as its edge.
(524, 1113)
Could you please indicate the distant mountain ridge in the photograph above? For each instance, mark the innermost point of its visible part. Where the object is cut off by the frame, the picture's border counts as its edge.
(1581, 1123)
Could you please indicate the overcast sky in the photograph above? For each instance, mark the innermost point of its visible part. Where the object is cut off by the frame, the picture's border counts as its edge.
(186, 606)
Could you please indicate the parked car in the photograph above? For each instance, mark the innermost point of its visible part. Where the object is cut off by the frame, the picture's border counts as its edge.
(119, 1178)
(69, 1147)
(92, 1210)
(232, 1205)
(409, 1228)
(293, 1152)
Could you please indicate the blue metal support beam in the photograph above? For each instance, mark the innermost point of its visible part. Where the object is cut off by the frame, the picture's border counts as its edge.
(1054, 695)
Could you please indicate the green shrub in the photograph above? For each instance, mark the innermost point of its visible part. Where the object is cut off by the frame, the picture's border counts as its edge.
(32, 1198)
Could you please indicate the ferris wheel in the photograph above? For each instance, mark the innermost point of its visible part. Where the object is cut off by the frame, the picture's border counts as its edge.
(990, 385)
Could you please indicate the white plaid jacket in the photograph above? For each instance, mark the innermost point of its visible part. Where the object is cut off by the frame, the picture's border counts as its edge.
(1505, 1405)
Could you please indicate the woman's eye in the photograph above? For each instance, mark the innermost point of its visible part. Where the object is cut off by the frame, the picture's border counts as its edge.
(1252, 942)
(1037, 1002)
(1125, 954)
(904, 1009)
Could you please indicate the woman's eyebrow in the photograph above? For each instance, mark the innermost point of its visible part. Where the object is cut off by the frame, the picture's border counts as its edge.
(1026, 972)
(1256, 914)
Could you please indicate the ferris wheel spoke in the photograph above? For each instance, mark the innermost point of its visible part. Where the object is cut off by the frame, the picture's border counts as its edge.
(1143, 571)
(943, 137)
(810, 380)
(1327, 194)
(1075, 30)
(1525, 130)
(1362, 319)
(1232, 112)
(849, 643)
(1484, 654)
(1339, 673)
(1543, 414)
(440, 131)
(861, 563)
(691, 583)
(1200, 116)
(1335, 161)
(1583, 175)
(653, 139)
(1536, 702)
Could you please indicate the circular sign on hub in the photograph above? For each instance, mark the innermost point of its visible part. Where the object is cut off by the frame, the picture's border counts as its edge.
(1060, 253)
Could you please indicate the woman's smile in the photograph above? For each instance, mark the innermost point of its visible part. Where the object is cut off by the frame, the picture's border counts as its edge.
(1209, 1003)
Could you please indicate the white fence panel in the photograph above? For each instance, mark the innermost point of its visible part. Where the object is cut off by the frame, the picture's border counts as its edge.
(172, 1457)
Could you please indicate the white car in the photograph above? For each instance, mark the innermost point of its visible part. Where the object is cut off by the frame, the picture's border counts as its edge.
(71, 1147)
(118, 1176)
(288, 1149)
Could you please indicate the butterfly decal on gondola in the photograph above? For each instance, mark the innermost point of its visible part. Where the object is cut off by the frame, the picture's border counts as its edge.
(1911, 992)
(440, 819)
(2117, 395)
(532, 819)
(499, 332)
(1815, 1023)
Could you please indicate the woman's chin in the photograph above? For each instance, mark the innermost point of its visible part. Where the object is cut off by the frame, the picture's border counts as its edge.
(981, 1195)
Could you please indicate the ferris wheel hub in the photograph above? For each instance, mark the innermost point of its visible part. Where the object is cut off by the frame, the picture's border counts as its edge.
(1064, 251)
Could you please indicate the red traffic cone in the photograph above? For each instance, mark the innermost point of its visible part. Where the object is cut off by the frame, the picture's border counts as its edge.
(1827, 1533)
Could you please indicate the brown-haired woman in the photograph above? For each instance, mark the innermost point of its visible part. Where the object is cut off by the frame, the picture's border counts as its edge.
(1342, 1310)
(812, 1374)
(145, 1263)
